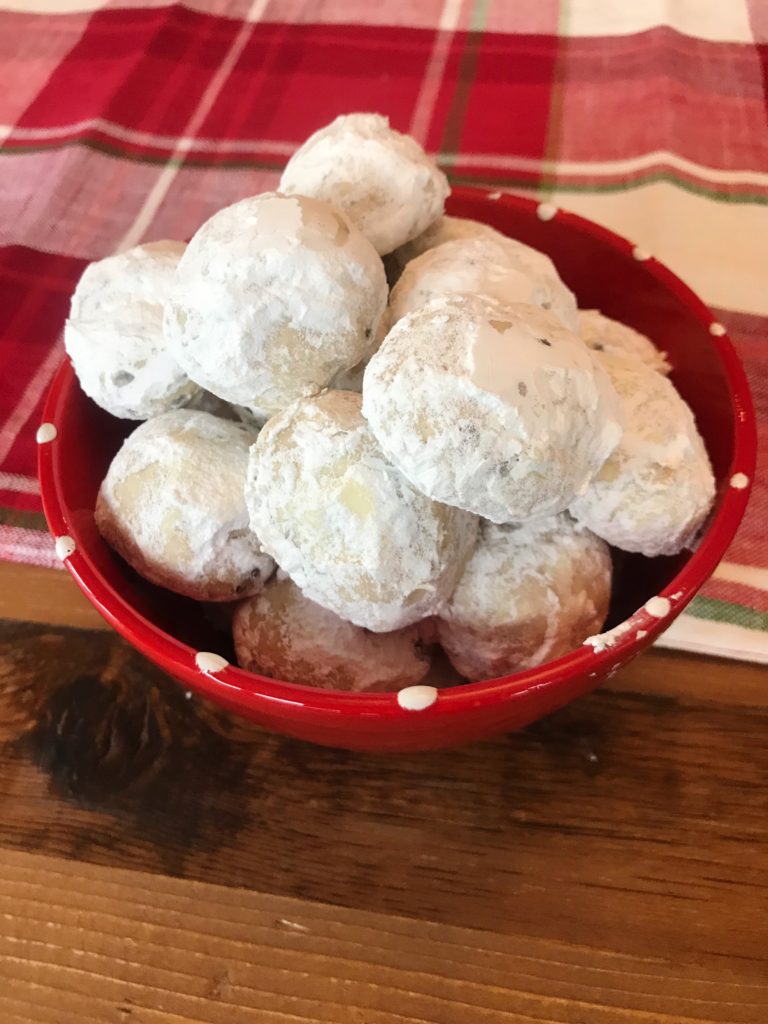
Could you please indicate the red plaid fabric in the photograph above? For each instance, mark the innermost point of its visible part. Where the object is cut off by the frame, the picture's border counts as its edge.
(138, 121)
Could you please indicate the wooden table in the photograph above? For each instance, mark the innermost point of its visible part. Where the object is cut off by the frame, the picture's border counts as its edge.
(161, 862)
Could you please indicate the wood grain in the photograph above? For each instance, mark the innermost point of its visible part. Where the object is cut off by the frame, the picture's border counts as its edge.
(82, 944)
(32, 594)
(693, 678)
(626, 826)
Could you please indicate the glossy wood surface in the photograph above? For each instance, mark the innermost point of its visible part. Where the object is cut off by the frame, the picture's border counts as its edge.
(162, 862)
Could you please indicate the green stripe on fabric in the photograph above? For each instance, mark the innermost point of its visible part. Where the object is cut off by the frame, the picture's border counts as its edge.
(454, 122)
(26, 520)
(479, 16)
(108, 149)
(547, 182)
(725, 611)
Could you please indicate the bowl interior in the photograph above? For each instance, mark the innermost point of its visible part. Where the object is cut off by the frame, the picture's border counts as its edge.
(202, 626)
(605, 273)
(600, 276)
(78, 480)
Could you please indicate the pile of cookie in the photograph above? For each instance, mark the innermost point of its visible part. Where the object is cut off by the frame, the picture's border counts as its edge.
(366, 472)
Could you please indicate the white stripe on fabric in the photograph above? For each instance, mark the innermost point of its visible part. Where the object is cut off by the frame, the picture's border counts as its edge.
(433, 77)
(142, 138)
(32, 547)
(29, 399)
(643, 161)
(747, 575)
(688, 232)
(53, 6)
(160, 189)
(19, 484)
(716, 20)
(655, 159)
(720, 639)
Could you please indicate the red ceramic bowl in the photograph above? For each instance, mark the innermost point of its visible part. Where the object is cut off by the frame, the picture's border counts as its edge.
(604, 271)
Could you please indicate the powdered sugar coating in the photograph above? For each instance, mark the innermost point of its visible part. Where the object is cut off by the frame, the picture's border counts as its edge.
(65, 546)
(444, 229)
(605, 335)
(344, 524)
(658, 607)
(529, 594)
(497, 268)
(417, 698)
(172, 504)
(546, 211)
(281, 633)
(382, 180)
(273, 297)
(114, 334)
(655, 490)
(46, 433)
(210, 662)
(499, 410)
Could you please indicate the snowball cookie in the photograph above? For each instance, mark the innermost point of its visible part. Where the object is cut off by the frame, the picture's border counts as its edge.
(344, 524)
(172, 504)
(500, 269)
(281, 633)
(499, 410)
(273, 297)
(605, 335)
(114, 334)
(444, 229)
(655, 490)
(529, 594)
(384, 181)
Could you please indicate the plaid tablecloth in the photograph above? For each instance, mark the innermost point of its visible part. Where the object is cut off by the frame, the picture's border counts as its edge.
(132, 121)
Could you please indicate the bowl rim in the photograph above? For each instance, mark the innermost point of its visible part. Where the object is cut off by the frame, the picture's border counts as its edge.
(592, 660)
